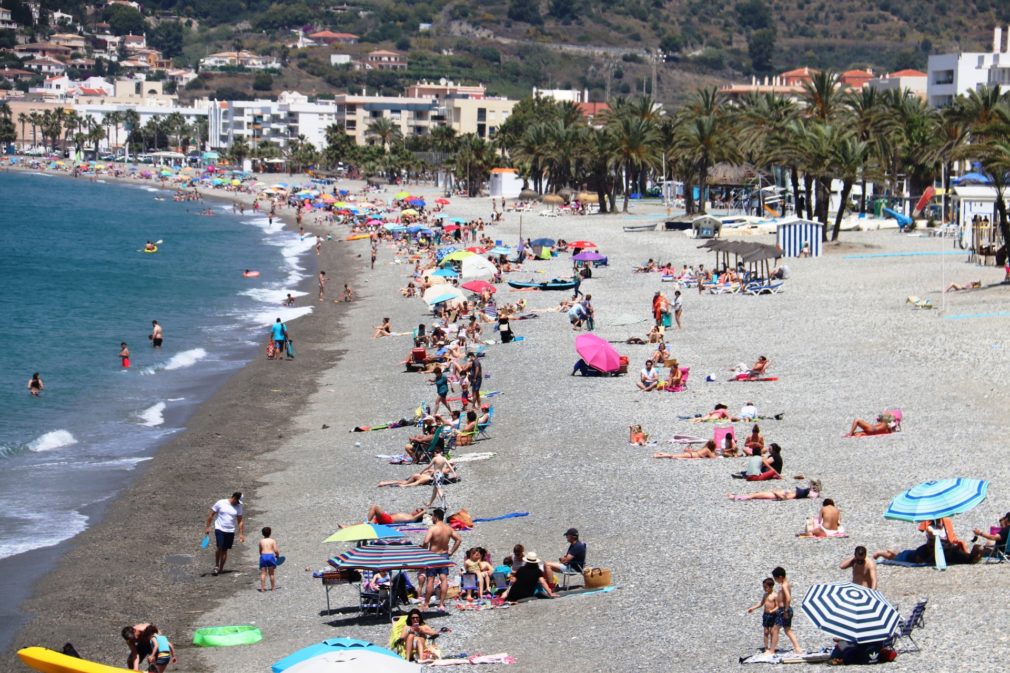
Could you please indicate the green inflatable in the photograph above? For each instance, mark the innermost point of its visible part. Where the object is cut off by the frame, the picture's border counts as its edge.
(227, 636)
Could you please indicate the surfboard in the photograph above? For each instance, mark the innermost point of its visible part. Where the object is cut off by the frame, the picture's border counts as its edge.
(51, 661)
(924, 200)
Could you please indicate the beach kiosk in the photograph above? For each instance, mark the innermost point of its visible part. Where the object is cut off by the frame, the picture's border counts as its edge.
(796, 235)
(505, 182)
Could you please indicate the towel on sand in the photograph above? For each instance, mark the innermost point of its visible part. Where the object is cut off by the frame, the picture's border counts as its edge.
(903, 564)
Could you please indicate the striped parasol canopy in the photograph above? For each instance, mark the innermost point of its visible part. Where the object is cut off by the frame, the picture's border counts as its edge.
(364, 531)
(390, 557)
(851, 612)
(937, 499)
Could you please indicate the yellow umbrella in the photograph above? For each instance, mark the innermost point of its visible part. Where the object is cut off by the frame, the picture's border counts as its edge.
(409, 212)
(401, 195)
(236, 183)
(457, 255)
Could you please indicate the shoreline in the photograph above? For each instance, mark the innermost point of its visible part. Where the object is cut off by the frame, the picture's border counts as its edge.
(171, 492)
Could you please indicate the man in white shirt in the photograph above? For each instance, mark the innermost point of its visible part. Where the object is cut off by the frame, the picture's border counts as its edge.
(226, 516)
(649, 379)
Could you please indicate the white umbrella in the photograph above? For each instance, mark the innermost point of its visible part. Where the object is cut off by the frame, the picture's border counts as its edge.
(477, 268)
(443, 293)
(364, 661)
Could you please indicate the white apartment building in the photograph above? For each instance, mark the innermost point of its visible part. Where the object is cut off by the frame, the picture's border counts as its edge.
(950, 75)
(7, 20)
(901, 80)
(258, 121)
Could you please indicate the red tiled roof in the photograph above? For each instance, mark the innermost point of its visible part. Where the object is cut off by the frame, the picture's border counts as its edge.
(330, 35)
(907, 72)
(592, 109)
(798, 72)
(85, 91)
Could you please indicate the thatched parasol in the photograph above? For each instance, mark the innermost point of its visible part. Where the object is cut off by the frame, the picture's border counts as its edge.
(554, 199)
(588, 197)
(528, 195)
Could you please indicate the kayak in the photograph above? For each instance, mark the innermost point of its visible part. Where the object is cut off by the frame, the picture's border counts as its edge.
(151, 251)
(227, 636)
(51, 661)
(548, 285)
(358, 237)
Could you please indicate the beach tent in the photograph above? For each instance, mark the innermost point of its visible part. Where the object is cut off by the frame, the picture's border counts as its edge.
(443, 294)
(355, 662)
(476, 267)
(330, 646)
(792, 236)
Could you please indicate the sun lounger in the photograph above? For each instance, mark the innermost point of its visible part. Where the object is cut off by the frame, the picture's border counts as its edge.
(918, 303)
(755, 289)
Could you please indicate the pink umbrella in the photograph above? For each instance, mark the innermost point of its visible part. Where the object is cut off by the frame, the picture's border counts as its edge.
(478, 286)
(597, 353)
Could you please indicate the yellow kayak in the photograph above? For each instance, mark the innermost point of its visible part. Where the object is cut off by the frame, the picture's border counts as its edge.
(51, 661)
(358, 237)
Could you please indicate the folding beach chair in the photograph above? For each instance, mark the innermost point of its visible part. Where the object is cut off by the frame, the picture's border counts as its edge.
(468, 582)
(915, 620)
(482, 428)
(998, 553)
(685, 373)
(373, 602)
(500, 581)
(425, 453)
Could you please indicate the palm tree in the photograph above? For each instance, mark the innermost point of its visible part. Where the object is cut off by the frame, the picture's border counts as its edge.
(239, 150)
(385, 130)
(635, 148)
(822, 96)
(474, 159)
(872, 124)
(35, 119)
(112, 121)
(131, 123)
(849, 157)
(23, 120)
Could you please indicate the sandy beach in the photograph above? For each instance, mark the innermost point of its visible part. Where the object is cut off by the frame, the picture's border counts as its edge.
(686, 560)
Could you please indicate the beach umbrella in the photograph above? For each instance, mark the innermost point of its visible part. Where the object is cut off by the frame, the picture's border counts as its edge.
(851, 612)
(501, 250)
(443, 293)
(395, 228)
(366, 661)
(400, 196)
(542, 241)
(442, 202)
(409, 212)
(589, 256)
(478, 286)
(345, 646)
(554, 199)
(476, 267)
(417, 203)
(597, 353)
(457, 256)
(445, 272)
(458, 220)
(390, 557)
(364, 531)
(528, 195)
(932, 500)
(582, 244)
(415, 228)
(541, 252)
(477, 250)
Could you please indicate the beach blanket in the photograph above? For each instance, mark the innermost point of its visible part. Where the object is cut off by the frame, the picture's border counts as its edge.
(501, 658)
(903, 564)
(402, 423)
(396, 459)
(510, 515)
(837, 534)
(787, 658)
(471, 457)
(687, 439)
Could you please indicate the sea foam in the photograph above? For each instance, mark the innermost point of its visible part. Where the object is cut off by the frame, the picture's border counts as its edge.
(52, 440)
(153, 416)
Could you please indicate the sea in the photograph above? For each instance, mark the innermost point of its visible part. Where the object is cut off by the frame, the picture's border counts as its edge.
(75, 284)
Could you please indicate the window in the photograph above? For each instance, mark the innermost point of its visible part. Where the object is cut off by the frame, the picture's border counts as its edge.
(481, 114)
(482, 130)
(943, 77)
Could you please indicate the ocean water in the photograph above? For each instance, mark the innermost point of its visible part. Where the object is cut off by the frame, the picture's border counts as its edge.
(75, 284)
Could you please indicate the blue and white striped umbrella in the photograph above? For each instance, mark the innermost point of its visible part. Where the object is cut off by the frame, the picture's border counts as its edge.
(936, 499)
(850, 612)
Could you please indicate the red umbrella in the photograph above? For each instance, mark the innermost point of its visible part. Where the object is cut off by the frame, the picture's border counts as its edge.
(478, 286)
(582, 244)
(442, 202)
(477, 249)
(597, 353)
(450, 228)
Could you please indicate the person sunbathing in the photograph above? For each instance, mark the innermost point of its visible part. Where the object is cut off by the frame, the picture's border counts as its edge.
(812, 491)
(972, 285)
(676, 378)
(755, 442)
(377, 515)
(719, 413)
(758, 370)
(884, 425)
(707, 451)
(385, 329)
(637, 436)
(438, 464)
(828, 521)
(659, 355)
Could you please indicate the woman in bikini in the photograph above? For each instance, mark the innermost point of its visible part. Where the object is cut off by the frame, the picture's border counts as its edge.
(883, 426)
(676, 378)
(755, 443)
(812, 491)
(707, 451)
(35, 385)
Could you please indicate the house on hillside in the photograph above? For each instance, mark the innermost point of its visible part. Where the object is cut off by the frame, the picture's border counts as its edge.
(42, 50)
(329, 37)
(855, 79)
(72, 41)
(238, 59)
(46, 66)
(7, 20)
(900, 80)
(134, 42)
(383, 59)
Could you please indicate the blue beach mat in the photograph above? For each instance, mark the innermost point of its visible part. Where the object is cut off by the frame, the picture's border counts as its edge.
(511, 515)
(903, 564)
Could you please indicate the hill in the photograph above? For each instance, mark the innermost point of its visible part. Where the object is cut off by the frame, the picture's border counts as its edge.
(604, 46)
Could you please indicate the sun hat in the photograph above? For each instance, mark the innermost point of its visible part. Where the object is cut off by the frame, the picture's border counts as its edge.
(531, 558)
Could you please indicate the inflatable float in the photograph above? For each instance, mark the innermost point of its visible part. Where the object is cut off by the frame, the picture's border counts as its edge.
(151, 251)
(227, 636)
(250, 274)
(358, 237)
(51, 661)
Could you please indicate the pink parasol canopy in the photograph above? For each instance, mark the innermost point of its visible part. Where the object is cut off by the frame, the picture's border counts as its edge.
(597, 353)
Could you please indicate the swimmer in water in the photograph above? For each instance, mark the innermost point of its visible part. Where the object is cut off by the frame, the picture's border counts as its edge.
(289, 301)
(150, 246)
(124, 354)
(35, 385)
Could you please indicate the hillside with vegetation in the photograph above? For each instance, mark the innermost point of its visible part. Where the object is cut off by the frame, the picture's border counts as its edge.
(619, 47)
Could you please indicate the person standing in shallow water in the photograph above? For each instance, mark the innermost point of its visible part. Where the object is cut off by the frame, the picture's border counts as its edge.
(157, 335)
(124, 355)
(36, 385)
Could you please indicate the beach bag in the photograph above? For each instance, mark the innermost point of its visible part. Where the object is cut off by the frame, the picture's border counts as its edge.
(270, 350)
(666, 319)
(463, 518)
(623, 369)
(597, 578)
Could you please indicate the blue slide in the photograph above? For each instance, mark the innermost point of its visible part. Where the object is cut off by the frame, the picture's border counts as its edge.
(903, 220)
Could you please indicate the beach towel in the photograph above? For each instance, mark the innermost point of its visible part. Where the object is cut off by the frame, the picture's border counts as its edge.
(903, 564)
(837, 534)
(471, 457)
(687, 439)
(501, 658)
(396, 459)
(786, 657)
(402, 423)
(510, 515)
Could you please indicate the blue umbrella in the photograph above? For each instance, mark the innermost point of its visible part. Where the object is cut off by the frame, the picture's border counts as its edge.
(458, 220)
(312, 651)
(395, 228)
(344, 192)
(417, 203)
(448, 296)
(542, 241)
(445, 272)
(967, 178)
(851, 612)
(932, 500)
(414, 228)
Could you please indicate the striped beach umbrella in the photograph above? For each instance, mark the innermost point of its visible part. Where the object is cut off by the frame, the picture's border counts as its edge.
(364, 531)
(932, 500)
(851, 612)
(390, 557)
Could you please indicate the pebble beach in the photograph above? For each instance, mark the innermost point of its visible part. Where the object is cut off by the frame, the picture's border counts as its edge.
(686, 560)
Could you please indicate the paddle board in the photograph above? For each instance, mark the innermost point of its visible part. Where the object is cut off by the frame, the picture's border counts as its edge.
(51, 661)
(358, 237)
(924, 200)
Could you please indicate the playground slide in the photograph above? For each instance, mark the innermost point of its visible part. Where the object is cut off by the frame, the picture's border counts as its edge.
(903, 220)
(771, 211)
